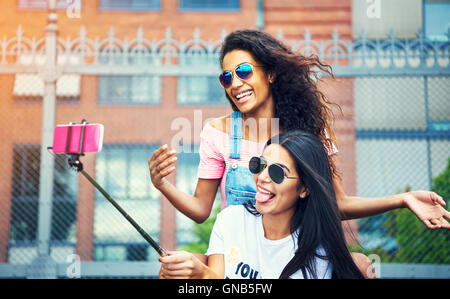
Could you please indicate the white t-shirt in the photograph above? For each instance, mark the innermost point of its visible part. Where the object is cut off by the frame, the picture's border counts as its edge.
(239, 236)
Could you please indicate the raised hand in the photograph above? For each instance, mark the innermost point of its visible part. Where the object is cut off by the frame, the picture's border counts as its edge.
(161, 164)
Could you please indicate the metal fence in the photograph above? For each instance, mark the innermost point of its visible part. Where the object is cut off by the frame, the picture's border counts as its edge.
(402, 144)
(401, 96)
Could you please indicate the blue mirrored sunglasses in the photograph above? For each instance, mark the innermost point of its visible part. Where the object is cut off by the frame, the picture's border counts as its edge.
(243, 71)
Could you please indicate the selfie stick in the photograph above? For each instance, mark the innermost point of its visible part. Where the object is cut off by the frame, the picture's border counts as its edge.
(74, 161)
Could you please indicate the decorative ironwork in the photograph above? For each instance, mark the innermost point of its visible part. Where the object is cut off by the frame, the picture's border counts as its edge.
(86, 55)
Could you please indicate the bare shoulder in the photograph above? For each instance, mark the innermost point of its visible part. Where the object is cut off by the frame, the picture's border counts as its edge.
(220, 123)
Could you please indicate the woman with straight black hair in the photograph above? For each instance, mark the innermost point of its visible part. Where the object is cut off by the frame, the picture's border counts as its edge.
(292, 231)
(316, 217)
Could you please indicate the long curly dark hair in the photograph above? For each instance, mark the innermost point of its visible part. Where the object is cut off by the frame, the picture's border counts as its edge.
(299, 104)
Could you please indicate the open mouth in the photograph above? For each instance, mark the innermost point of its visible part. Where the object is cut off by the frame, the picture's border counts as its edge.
(263, 195)
(243, 96)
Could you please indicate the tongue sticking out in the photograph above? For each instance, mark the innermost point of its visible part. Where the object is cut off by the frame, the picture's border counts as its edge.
(263, 197)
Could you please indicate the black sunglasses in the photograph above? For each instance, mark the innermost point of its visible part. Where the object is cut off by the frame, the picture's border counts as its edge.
(276, 172)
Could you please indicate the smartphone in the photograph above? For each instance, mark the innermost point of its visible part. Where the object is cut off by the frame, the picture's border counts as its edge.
(67, 138)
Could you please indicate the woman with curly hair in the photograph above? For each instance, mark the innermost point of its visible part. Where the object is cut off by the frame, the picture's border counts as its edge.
(271, 90)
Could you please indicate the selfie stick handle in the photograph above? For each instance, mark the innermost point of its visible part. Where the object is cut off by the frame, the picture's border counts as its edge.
(149, 239)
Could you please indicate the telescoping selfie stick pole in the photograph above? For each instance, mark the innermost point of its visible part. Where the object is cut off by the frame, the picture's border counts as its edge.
(146, 236)
(74, 161)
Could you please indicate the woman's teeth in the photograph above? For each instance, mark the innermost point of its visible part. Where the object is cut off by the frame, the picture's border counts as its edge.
(244, 94)
(264, 191)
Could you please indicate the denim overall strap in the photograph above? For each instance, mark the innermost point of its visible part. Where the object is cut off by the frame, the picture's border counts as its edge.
(236, 135)
(239, 184)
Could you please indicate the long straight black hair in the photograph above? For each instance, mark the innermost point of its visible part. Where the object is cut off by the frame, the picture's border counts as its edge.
(316, 219)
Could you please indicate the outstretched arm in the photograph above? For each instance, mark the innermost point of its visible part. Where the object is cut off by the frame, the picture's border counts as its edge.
(426, 205)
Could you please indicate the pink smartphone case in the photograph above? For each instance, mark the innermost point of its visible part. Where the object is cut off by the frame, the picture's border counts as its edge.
(93, 138)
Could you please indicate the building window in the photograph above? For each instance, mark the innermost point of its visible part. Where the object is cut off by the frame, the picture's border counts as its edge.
(134, 5)
(378, 18)
(437, 20)
(122, 170)
(199, 90)
(231, 5)
(24, 207)
(129, 89)
(43, 4)
(139, 89)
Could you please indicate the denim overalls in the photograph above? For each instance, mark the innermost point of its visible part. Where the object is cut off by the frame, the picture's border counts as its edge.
(239, 184)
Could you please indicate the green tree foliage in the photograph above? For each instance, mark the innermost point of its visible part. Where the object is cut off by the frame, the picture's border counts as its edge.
(202, 233)
(416, 243)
